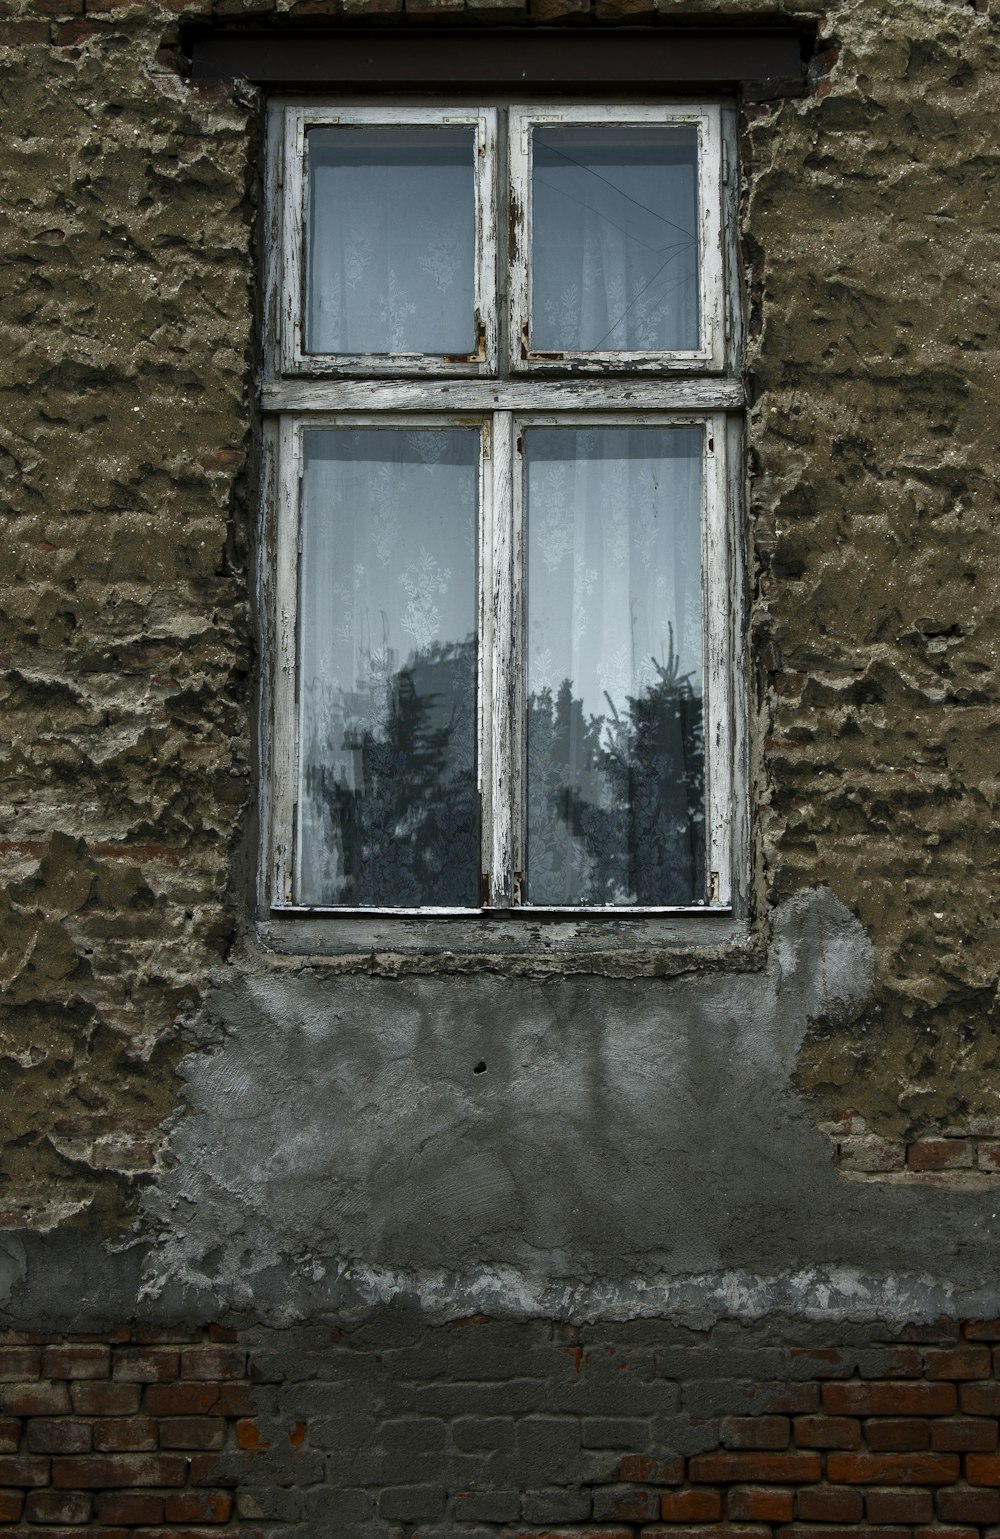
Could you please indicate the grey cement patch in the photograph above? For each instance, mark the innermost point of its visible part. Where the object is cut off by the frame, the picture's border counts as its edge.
(630, 1148)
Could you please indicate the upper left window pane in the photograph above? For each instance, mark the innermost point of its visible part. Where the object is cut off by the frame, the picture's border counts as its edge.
(391, 241)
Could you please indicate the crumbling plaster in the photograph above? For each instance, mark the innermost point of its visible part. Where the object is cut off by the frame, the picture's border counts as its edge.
(632, 1144)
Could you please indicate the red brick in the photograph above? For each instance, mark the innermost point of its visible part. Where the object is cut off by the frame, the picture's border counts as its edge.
(23, 1470)
(829, 1504)
(146, 1365)
(57, 1507)
(99, 1399)
(223, 1333)
(958, 1434)
(891, 1363)
(213, 1363)
(889, 1398)
(80, 1362)
(201, 1432)
(959, 1363)
(900, 1434)
(129, 1507)
(937, 1533)
(770, 1432)
(198, 1507)
(646, 1470)
(906, 1469)
(11, 1503)
(690, 1506)
(183, 1399)
(821, 1362)
(827, 1432)
(899, 1506)
(39, 1399)
(982, 1330)
(785, 1399)
(91, 1533)
(766, 1467)
(145, 1335)
(829, 1531)
(625, 1504)
(10, 1435)
(202, 1468)
(935, 1335)
(981, 1469)
(965, 1504)
(234, 1400)
(584, 1531)
(763, 1504)
(58, 1435)
(125, 1434)
(667, 1531)
(939, 1154)
(213, 1533)
(119, 1470)
(19, 1363)
(976, 1399)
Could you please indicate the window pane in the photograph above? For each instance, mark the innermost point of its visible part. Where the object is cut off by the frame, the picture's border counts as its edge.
(388, 809)
(391, 258)
(614, 262)
(615, 746)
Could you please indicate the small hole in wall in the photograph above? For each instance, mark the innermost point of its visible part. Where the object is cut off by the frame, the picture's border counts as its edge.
(480, 1067)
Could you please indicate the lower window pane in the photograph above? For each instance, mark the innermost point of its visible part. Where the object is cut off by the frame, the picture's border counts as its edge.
(387, 793)
(615, 739)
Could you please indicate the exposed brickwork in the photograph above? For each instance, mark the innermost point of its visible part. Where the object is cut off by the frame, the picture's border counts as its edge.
(642, 1431)
(89, 1442)
(961, 1157)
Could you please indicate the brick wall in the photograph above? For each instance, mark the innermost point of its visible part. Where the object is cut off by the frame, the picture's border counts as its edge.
(398, 1430)
(631, 1431)
(122, 1436)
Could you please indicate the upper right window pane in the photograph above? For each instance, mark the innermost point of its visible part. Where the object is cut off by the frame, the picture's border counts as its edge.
(617, 219)
(614, 252)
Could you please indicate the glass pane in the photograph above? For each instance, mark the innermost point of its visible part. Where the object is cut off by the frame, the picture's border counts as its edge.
(392, 234)
(388, 808)
(615, 742)
(614, 260)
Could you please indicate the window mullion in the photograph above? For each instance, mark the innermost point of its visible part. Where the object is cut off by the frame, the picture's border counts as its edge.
(719, 747)
(499, 638)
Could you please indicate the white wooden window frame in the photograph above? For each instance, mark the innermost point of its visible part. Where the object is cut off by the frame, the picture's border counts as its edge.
(300, 392)
(710, 354)
(294, 174)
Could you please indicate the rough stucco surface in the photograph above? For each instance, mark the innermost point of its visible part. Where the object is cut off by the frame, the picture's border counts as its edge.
(320, 1119)
(558, 1179)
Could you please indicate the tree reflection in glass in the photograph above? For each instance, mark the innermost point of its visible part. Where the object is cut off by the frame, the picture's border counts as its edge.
(388, 807)
(615, 735)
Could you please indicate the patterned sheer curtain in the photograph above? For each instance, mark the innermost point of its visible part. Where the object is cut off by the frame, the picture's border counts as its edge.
(614, 238)
(391, 240)
(387, 802)
(615, 742)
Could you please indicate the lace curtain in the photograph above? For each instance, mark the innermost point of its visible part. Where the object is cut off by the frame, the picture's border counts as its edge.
(391, 240)
(614, 666)
(388, 806)
(614, 239)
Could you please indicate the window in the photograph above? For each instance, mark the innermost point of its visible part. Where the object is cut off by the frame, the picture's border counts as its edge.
(503, 427)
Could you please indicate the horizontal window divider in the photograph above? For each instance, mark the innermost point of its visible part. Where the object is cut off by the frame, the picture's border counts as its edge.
(516, 395)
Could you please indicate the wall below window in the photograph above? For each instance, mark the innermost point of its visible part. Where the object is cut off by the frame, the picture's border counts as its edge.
(708, 1159)
(639, 1430)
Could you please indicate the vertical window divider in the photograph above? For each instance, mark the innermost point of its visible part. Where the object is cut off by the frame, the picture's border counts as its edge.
(285, 756)
(719, 765)
(503, 692)
(295, 185)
